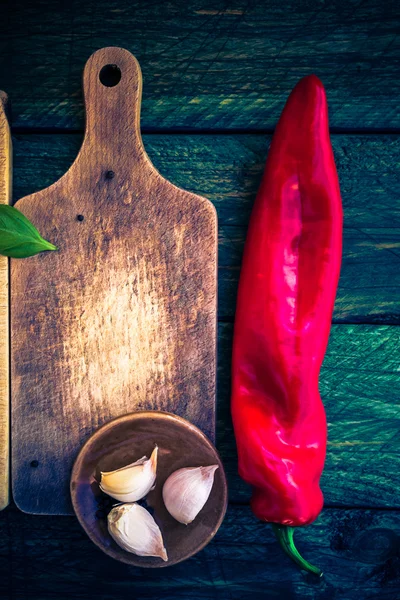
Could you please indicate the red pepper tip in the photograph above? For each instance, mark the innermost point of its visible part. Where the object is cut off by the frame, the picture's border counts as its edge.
(312, 80)
(307, 88)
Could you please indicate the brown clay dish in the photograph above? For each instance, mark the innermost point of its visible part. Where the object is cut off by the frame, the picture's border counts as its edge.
(124, 440)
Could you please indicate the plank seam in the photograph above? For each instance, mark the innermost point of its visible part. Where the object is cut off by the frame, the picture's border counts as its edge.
(200, 131)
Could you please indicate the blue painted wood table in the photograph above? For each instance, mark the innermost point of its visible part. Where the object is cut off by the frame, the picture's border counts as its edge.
(216, 76)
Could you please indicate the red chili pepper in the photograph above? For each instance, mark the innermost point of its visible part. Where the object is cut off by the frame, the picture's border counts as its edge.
(285, 302)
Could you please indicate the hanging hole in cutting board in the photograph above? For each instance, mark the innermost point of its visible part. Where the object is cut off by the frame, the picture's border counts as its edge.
(110, 75)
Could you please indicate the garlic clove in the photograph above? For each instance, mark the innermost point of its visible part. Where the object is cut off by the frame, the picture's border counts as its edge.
(133, 482)
(187, 490)
(133, 528)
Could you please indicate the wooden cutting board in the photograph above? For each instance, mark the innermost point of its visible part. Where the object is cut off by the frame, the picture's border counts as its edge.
(123, 316)
(5, 198)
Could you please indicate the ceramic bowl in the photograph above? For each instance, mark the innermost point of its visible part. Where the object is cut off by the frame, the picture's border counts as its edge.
(123, 441)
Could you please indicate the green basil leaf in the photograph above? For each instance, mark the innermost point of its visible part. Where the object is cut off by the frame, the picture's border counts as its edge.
(19, 238)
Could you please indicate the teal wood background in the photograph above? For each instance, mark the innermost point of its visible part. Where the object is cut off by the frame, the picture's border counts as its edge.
(216, 75)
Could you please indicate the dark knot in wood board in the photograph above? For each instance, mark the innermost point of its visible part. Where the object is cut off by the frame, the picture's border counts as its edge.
(375, 545)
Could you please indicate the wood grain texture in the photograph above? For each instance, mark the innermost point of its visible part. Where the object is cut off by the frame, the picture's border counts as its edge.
(123, 316)
(5, 198)
(227, 169)
(206, 63)
(360, 388)
(51, 557)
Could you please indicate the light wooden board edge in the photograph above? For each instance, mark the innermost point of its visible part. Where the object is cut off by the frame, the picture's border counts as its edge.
(5, 198)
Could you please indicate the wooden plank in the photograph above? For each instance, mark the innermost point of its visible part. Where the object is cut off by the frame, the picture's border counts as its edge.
(227, 169)
(51, 557)
(123, 316)
(5, 198)
(360, 388)
(369, 282)
(206, 63)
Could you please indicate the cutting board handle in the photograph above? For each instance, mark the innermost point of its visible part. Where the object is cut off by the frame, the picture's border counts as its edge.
(112, 86)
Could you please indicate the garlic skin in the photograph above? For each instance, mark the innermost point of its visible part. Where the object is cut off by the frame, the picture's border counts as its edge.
(133, 528)
(187, 490)
(133, 482)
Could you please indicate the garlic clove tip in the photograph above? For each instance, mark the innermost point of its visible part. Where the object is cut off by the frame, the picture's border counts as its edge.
(132, 482)
(133, 528)
(186, 491)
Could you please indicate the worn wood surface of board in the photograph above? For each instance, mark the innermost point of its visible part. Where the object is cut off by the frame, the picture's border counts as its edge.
(210, 64)
(123, 316)
(5, 198)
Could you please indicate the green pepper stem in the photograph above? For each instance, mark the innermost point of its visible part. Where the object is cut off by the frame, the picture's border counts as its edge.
(284, 535)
